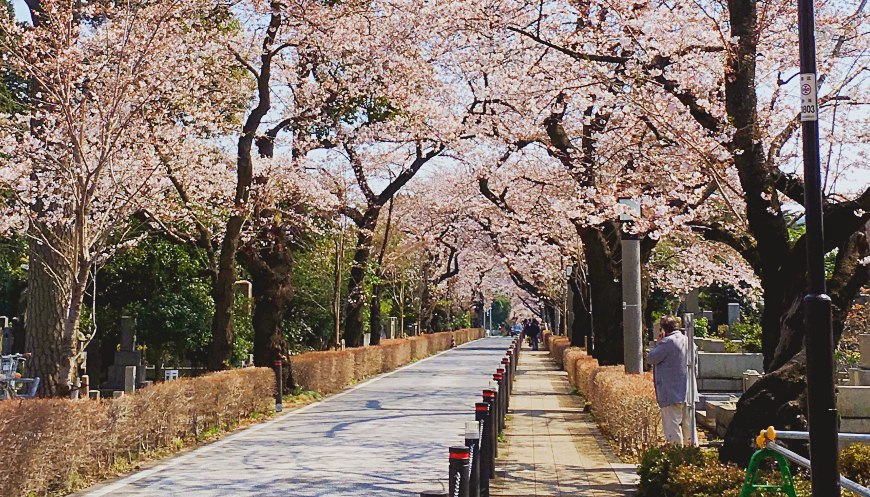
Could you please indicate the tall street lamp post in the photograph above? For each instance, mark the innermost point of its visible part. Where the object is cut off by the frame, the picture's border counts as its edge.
(631, 310)
(819, 338)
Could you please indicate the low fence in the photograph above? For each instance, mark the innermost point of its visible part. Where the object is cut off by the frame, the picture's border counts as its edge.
(333, 370)
(471, 465)
(61, 445)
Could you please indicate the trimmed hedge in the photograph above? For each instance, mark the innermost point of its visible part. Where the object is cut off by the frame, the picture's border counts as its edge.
(624, 405)
(331, 371)
(61, 445)
(557, 347)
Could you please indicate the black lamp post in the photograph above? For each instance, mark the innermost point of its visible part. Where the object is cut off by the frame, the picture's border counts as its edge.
(818, 335)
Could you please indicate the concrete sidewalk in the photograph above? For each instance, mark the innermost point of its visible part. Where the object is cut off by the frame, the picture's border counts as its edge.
(553, 448)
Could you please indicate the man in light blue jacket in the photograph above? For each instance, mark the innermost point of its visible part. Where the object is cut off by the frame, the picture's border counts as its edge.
(669, 360)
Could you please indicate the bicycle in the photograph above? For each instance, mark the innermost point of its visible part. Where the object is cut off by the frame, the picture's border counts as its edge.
(11, 381)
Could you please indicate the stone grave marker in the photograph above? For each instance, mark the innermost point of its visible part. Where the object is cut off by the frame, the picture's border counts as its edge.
(692, 304)
(733, 313)
(7, 338)
(126, 356)
(709, 316)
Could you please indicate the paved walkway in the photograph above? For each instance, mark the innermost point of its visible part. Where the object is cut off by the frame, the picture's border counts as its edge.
(385, 438)
(553, 448)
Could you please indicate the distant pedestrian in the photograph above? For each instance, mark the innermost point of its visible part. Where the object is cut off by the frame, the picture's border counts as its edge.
(534, 333)
(671, 381)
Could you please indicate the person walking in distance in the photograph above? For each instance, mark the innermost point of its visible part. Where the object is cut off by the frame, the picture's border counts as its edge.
(534, 333)
(668, 359)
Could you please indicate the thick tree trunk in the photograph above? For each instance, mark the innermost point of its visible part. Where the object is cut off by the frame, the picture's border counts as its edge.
(427, 297)
(606, 288)
(356, 291)
(272, 281)
(48, 290)
(221, 348)
(223, 294)
(477, 309)
(779, 398)
(581, 326)
(550, 318)
(376, 324)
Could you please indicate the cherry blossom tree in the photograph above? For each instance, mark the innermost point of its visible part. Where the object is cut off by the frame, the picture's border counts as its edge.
(713, 78)
(103, 79)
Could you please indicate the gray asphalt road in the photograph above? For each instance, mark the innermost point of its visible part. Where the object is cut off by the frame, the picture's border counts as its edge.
(387, 437)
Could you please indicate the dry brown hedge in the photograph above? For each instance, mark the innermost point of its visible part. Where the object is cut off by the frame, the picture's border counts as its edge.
(330, 371)
(557, 346)
(59, 445)
(624, 405)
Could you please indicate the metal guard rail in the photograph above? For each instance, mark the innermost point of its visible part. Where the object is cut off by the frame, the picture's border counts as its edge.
(768, 439)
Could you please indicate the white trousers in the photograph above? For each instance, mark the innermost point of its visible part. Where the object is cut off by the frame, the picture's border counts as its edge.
(675, 423)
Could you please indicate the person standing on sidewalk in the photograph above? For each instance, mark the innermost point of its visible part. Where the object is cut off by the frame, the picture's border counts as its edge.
(671, 381)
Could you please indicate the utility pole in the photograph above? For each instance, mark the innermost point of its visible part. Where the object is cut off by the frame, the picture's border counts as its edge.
(818, 332)
(632, 318)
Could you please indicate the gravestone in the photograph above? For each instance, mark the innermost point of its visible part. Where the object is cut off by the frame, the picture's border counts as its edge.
(733, 313)
(853, 400)
(7, 337)
(129, 379)
(860, 376)
(692, 304)
(709, 316)
(126, 356)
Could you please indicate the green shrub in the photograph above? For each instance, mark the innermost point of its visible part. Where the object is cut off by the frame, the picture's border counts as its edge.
(702, 327)
(708, 480)
(855, 463)
(657, 465)
(750, 333)
(690, 472)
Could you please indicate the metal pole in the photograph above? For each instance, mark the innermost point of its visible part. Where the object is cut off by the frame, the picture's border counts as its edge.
(818, 333)
(506, 364)
(490, 396)
(843, 437)
(691, 389)
(498, 377)
(279, 374)
(801, 461)
(631, 311)
(481, 414)
(460, 459)
(472, 441)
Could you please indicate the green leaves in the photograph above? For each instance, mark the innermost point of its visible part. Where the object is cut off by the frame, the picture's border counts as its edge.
(750, 333)
(165, 286)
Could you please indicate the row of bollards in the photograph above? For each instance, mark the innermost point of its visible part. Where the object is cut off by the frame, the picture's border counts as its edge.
(472, 465)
